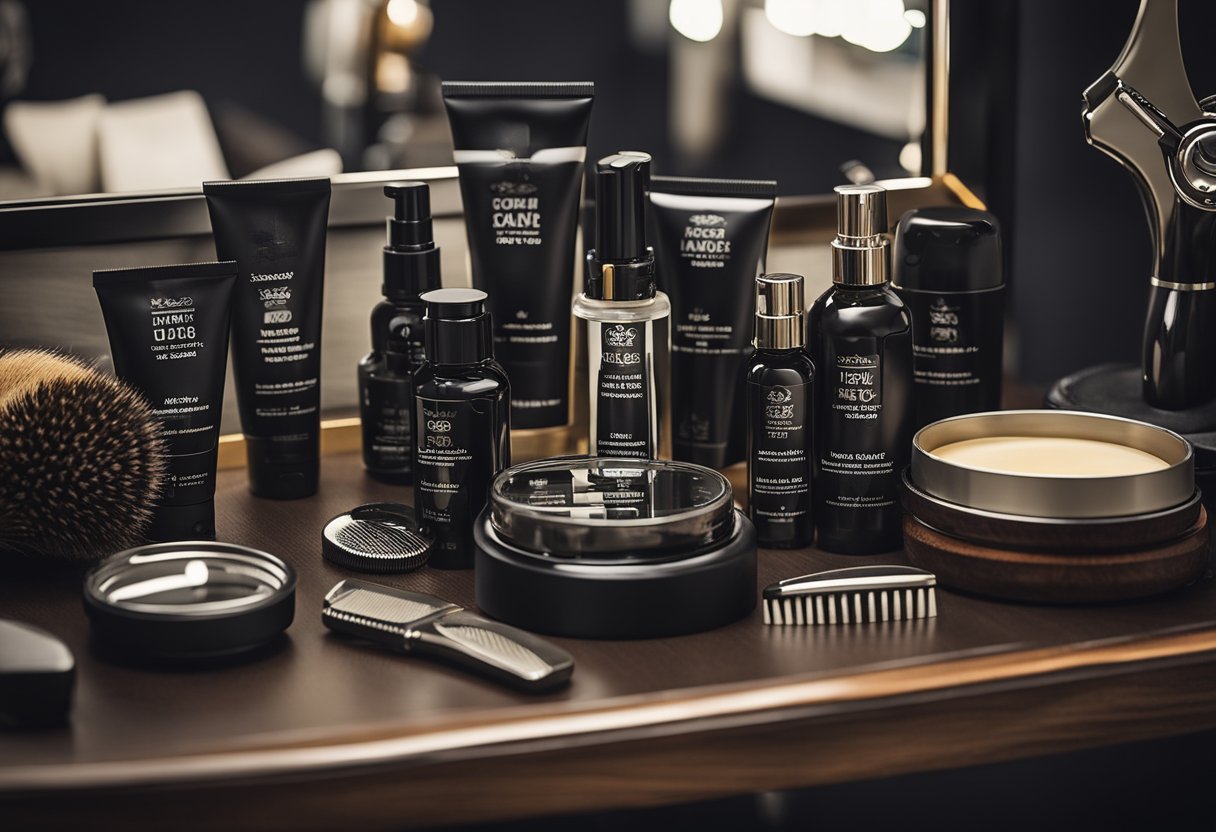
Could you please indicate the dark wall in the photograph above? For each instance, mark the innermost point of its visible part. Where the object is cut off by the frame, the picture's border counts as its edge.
(244, 52)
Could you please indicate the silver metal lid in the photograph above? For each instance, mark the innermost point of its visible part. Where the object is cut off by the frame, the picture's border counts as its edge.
(861, 253)
(572, 507)
(1043, 495)
(189, 599)
(780, 306)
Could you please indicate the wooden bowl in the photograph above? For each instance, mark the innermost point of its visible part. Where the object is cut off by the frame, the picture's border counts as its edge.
(1060, 535)
(1059, 577)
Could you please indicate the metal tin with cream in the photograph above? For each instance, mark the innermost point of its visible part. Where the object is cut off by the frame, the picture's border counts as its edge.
(1055, 495)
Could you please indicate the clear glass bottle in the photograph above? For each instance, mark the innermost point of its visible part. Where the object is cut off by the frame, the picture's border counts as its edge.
(628, 320)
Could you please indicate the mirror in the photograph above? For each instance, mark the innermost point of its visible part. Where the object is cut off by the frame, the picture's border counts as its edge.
(136, 97)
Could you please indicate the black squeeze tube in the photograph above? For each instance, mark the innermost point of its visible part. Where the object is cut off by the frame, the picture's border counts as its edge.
(520, 149)
(275, 231)
(710, 238)
(168, 328)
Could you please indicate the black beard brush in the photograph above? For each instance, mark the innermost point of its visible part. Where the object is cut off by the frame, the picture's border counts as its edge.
(81, 459)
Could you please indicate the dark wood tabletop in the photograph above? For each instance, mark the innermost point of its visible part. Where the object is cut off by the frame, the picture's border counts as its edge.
(319, 732)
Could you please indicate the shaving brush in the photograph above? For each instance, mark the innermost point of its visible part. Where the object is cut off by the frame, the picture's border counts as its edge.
(81, 458)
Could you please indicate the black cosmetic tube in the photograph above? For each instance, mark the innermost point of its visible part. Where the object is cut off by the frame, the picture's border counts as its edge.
(710, 238)
(275, 231)
(520, 149)
(168, 328)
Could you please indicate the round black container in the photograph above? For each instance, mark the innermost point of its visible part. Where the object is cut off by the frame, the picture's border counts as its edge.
(947, 271)
(611, 548)
(189, 599)
(1117, 389)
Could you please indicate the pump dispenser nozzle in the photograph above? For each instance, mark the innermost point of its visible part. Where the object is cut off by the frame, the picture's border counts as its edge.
(621, 266)
(411, 258)
(861, 253)
(779, 312)
(621, 182)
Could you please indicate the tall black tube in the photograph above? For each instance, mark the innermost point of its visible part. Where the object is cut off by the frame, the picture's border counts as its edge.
(275, 231)
(711, 239)
(168, 328)
(520, 148)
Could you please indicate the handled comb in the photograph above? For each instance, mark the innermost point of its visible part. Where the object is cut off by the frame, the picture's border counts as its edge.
(417, 624)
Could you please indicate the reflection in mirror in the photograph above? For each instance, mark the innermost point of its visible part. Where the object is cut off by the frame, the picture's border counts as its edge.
(129, 96)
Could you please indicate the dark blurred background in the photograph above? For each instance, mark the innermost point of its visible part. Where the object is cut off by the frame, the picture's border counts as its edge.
(731, 95)
(795, 90)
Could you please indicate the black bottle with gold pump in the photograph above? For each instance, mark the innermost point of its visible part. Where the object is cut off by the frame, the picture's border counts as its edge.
(861, 340)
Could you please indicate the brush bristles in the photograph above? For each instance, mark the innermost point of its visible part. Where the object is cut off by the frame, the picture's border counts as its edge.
(858, 607)
(81, 461)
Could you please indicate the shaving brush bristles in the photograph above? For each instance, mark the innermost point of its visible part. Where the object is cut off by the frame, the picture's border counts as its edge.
(81, 459)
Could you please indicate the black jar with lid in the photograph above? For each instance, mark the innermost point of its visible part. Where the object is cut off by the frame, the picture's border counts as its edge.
(595, 547)
(947, 271)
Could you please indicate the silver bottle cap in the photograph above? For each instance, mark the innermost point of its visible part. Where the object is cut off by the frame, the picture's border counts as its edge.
(779, 312)
(861, 253)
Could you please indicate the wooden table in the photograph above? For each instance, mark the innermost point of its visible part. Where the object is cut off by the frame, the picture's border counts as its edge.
(324, 733)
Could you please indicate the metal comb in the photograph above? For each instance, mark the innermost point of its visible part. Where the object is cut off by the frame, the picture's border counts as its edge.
(410, 622)
(857, 595)
(376, 537)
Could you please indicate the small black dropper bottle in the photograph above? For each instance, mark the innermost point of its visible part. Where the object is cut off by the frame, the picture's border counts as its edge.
(780, 416)
(461, 424)
(411, 267)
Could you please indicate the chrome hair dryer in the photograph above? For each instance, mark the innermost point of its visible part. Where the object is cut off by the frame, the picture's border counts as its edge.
(1130, 113)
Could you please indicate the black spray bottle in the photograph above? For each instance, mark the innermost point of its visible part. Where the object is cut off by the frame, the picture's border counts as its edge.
(861, 339)
(461, 427)
(780, 414)
(386, 388)
(628, 321)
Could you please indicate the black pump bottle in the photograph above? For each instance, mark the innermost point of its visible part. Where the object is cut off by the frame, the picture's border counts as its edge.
(386, 392)
(780, 416)
(461, 425)
(861, 340)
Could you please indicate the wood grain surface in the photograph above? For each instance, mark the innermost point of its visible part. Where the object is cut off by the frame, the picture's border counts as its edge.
(1060, 576)
(320, 730)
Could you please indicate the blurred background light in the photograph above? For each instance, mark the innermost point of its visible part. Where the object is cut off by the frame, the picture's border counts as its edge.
(794, 17)
(697, 20)
(877, 25)
(402, 12)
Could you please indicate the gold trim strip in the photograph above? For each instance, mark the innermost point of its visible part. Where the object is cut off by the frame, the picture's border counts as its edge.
(337, 436)
(1183, 287)
(939, 111)
(961, 192)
